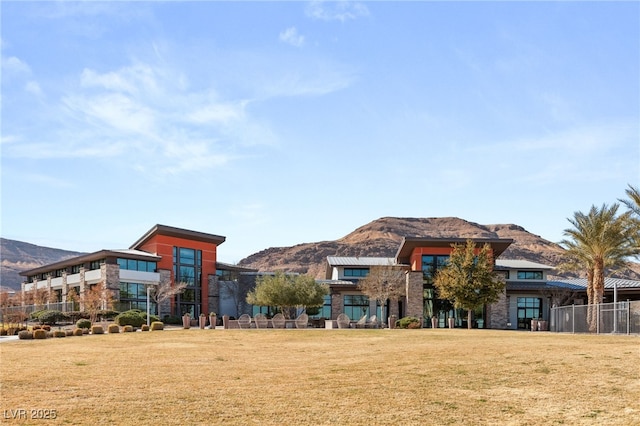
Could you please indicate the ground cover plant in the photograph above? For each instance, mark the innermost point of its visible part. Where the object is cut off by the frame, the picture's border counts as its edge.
(326, 377)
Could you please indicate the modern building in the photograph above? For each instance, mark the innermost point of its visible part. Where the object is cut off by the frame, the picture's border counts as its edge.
(163, 254)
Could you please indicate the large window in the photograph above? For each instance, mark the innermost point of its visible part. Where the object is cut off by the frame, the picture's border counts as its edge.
(528, 308)
(133, 296)
(325, 310)
(356, 272)
(355, 305)
(431, 264)
(137, 265)
(187, 268)
(529, 275)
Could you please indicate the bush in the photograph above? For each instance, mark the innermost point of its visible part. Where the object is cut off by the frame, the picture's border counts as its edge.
(78, 331)
(83, 323)
(113, 328)
(144, 327)
(40, 334)
(59, 333)
(157, 325)
(3, 332)
(35, 315)
(107, 314)
(133, 317)
(408, 322)
(25, 335)
(172, 319)
(46, 327)
(127, 329)
(51, 317)
(85, 331)
(97, 329)
(69, 332)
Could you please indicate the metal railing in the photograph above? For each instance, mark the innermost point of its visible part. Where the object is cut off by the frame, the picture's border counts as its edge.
(27, 310)
(618, 318)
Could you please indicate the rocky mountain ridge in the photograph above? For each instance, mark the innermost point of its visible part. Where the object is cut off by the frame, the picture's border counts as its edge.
(382, 237)
(379, 238)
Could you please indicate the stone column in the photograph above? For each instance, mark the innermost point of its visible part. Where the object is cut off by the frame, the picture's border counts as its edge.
(336, 305)
(498, 313)
(82, 288)
(414, 295)
(214, 295)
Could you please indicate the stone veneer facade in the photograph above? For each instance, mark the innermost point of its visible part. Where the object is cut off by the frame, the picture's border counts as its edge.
(414, 293)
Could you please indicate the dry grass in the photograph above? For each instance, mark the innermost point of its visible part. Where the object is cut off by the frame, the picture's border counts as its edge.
(332, 377)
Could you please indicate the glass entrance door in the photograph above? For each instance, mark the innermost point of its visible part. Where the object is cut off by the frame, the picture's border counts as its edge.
(528, 308)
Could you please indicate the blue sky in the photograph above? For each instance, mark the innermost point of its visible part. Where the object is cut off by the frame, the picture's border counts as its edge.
(278, 123)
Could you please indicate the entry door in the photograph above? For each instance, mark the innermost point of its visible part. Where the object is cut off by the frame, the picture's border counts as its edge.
(528, 308)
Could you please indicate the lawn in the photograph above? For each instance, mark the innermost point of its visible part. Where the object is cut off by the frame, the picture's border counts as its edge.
(324, 377)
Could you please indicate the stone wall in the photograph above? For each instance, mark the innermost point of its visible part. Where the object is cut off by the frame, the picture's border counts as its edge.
(498, 313)
(414, 294)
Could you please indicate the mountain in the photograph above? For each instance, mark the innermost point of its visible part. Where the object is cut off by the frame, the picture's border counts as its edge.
(18, 256)
(382, 237)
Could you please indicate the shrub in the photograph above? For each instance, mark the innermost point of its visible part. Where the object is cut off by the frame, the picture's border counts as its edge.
(35, 315)
(157, 325)
(144, 327)
(409, 322)
(79, 331)
(40, 334)
(59, 333)
(37, 327)
(69, 332)
(51, 317)
(172, 319)
(97, 329)
(3, 332)
(85, 331)
(113, 328)
(83, 323)
(127, 329)
(46, 327)
(107, 314)
(25, 335)
(134, 318)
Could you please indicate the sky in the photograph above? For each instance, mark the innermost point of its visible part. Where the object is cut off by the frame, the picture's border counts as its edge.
(280, 123)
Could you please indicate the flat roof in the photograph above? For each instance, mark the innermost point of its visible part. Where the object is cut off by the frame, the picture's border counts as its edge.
(360, 261)
(179, 233)
(122, 253)
(408, 244)
(520, 264)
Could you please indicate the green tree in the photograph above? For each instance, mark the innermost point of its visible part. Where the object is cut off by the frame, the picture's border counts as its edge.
(468, 279)
(384, 283)
(287, 291)
(598, 241)
(633, 204)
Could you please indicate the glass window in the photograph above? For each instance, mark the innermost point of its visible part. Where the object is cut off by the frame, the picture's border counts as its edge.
(529, 275)
(431, 264)
(187, 256)
(356, 272)
(355, 305)
(187, 275)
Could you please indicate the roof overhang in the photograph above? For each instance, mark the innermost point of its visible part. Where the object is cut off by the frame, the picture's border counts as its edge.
(171, 231)
(126, 254)
(408, 244)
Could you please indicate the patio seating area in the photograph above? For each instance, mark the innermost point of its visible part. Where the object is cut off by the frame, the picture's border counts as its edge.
(261, 321)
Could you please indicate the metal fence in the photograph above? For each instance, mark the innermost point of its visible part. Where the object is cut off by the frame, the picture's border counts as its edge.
(620, 318)
(26, 310)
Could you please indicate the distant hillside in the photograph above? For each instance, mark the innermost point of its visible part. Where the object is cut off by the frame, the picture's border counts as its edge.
(382, 237)
(18, 256)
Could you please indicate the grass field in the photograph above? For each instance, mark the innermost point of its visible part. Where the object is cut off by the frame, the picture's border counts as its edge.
(325, 377)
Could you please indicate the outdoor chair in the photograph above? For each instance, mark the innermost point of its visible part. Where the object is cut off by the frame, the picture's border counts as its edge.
(302, 321)
(343, 321)
(362, 322)
(372, 323)
(278, 320)
(244, 321)
(261, 321)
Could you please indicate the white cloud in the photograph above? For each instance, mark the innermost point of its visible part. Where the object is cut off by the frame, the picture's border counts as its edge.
(336, 11)
(291, 36)
(34, 88)
(15, 65)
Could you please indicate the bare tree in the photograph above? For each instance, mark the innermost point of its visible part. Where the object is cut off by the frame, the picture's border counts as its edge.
(560, 296)
(384, 283)
(97, 297)
(165, 290)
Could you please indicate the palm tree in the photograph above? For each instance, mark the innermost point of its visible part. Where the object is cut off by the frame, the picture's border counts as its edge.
(599, 240)
(633, 204)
